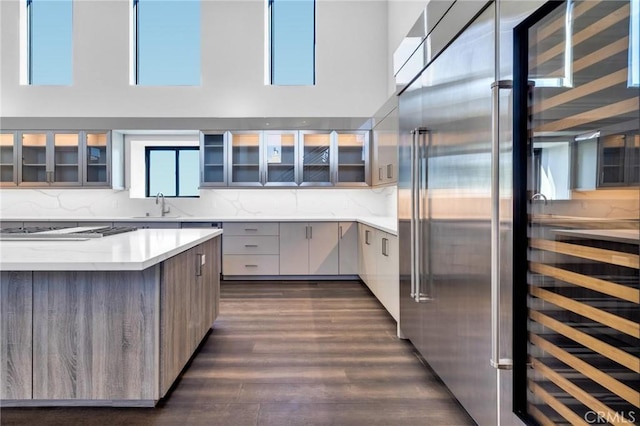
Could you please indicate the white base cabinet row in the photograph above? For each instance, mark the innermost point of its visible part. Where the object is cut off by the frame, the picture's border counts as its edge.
(290, 249)
(378, 263)
(315, 249)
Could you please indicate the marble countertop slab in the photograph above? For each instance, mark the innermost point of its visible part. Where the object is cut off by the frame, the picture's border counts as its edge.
(130, 251)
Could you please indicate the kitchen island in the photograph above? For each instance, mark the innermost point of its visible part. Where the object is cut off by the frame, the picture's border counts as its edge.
(106, 321)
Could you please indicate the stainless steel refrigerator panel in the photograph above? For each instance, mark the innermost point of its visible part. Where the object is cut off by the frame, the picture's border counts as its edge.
(410, 117)
(464, 192)
(457, 322)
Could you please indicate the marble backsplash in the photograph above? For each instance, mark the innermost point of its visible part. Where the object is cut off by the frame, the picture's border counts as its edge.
(214, 203)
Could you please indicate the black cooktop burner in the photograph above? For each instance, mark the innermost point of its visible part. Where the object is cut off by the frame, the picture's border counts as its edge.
(41, 232)
(30, 229)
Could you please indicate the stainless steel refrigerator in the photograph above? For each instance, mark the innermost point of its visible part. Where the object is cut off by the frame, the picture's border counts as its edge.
(454, 205)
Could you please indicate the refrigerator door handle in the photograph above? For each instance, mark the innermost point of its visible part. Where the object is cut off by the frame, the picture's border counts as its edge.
(414, 211)
(419, 188)
(496, 361)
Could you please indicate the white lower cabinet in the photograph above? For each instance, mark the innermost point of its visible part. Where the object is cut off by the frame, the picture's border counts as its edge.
(290, 249)
(294, 248)
(250, 249)
(348, 248)
(240, 264)
(366, 255)
(378, 265)
(388, 285)
(309, 248)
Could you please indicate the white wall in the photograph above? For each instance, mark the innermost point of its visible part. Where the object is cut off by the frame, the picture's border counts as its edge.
(401, 15)
(351, 66)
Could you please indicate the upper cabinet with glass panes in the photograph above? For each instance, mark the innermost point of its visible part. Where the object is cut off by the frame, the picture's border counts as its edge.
(55, 158)
(316, 158)
(213, 159)
(287, 158)
(8, 168)
(352, 150)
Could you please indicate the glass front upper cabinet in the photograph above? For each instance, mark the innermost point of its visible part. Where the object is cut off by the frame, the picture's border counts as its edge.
(8, 170)
(212, 158)
(281, 153)
(246, 167)
(353, 167)
(97, 158)
(64, 158)
(34, 165)
(316, 158)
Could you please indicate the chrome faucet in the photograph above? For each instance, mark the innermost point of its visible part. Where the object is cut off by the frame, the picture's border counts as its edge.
(163, 210)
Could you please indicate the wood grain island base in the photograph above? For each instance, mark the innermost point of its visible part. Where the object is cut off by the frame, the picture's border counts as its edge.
(107, 337)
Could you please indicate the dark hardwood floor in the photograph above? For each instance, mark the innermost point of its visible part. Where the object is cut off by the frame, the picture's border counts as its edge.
(289, 353)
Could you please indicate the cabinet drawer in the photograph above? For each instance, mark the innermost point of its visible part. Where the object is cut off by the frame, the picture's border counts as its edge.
(238, 264)
(251, 228)
(250, 245)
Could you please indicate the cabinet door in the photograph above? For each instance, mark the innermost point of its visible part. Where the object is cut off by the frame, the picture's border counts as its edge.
(65, 164)
(51, 158)
(348, 244)
(367, 256)
(33, 170)
(208, 255)
(316, 158)
(176, 338)
(250, 229)
(213, 159)
(246, 167)
(280, 158)
(323, 248)
(294, 248)
(97, 159)
(387, 280)
(385, 145)
(388, 147)
(8, 156)
(353, 161)
(95, 334)
(16, 321)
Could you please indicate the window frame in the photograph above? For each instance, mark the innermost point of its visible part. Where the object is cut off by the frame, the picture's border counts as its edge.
(147, 162)
(270, 45)
(27, 33)
(134, 71)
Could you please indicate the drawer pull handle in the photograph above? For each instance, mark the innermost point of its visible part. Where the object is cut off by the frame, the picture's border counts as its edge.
(251, 266)
(251, 229)
(251, 245)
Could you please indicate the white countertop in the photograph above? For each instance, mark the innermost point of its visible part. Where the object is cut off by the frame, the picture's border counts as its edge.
(130, 251)
(385, 224)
